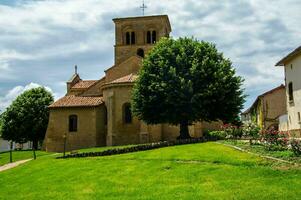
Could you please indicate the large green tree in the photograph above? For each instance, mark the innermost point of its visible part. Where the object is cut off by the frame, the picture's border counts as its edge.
(183, 81)
(26, 118)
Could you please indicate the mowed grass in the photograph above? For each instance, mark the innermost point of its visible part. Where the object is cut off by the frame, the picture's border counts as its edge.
(19, 155)
(196, 171)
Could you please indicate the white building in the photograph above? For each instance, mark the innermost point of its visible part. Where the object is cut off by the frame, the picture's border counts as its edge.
(5, 145)
(292, 71)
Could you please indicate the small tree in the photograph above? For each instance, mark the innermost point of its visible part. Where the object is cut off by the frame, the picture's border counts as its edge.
(26, 118)
(184, 81)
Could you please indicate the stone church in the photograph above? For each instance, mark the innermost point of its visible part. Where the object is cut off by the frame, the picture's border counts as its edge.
(97, 112)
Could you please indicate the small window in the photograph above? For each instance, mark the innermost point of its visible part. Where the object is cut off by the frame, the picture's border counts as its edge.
(154, 37)
(148, 37)
(140, 52)
(127, 113)
(291, 66)
(72, 123)
(127, 38)
(299, 117)
(133, 38)
(151, 37)
(290, 92)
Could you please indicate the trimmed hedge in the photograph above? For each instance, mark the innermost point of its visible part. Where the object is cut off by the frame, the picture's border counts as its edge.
(140, 147)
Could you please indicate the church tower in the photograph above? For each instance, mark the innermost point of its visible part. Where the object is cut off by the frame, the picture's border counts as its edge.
(137, 35)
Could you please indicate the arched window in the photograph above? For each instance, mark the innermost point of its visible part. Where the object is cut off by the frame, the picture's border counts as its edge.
(133, 38)
(72, 123)
(130, 38)
(154, 37)
(140, 52)
(290, 92)
(127, 38)
(127, 113)
(151, 37)
(148, 37)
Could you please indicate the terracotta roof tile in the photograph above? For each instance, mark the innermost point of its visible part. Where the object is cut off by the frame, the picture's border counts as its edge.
(76, 101)
(128, 78)
(84, 84)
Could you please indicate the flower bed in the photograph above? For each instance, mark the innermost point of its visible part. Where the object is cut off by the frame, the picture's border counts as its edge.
(141, 147)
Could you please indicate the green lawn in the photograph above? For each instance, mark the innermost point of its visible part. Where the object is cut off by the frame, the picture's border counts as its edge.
(19, 155)
(196, 171)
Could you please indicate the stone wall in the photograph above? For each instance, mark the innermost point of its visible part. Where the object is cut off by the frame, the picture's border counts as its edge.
(90, 131)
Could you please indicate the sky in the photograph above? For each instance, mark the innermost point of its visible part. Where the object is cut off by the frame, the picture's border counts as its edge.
(42, 40)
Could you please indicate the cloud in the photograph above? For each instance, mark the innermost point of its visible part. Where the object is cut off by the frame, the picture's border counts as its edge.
(13, 93)
(41, 41)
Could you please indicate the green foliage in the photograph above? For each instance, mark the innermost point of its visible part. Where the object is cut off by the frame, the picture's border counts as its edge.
(184, 81)
(274, 139)
(215, 135)
(296, 147)
(26, 118)
(232, 131)
(251, 130)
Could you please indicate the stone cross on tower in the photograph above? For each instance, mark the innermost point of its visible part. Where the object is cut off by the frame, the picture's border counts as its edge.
(143, 7)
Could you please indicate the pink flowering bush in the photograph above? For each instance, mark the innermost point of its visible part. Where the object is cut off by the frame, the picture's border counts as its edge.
(274, 139)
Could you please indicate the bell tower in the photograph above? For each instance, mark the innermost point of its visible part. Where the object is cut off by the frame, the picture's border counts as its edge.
(137, 35)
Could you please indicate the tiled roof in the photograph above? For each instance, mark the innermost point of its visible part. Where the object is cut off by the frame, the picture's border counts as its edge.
(77, 101)
(83, 84)
(128, 78)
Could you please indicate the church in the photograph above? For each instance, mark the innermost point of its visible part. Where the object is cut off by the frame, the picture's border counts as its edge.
(98, 112)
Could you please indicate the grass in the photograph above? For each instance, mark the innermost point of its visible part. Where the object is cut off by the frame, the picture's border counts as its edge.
(259, 149)
(196, 171)
(19, 155)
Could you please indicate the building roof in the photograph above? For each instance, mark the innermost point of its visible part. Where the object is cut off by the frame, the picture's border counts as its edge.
(84, 84)
(77, 101)
(126, 79)
(289, 57)
(262, 95)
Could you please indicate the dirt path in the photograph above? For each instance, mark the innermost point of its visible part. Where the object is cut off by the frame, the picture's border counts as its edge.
(14, 164)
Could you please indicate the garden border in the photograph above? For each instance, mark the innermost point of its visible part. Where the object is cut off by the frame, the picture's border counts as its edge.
(140, 147)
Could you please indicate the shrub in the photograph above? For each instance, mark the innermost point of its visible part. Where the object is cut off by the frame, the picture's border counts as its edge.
(296, 147)
(232, 131)
(274, 139)
(251, 131)
(217, 135)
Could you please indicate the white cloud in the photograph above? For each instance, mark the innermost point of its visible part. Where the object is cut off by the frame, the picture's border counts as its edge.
(13, 93)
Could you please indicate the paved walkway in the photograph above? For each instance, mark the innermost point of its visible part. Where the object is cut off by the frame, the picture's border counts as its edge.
(14, 164)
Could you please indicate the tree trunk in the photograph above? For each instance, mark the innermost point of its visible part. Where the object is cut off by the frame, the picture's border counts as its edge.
(184, 131)
(34, 147)
(11, 152)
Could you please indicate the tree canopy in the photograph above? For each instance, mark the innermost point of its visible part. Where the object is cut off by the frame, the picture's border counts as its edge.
(183, 81)
(26, 118)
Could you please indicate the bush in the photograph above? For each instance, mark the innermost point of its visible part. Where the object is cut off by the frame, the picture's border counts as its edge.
(251, 131)
(216, 135)
(232, 131)
(274, 139)
(296, 147)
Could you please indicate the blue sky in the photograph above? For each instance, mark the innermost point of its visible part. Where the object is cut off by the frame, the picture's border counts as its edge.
(42, 40)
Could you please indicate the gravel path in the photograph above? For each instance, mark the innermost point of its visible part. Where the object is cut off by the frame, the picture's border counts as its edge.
(12, 165)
